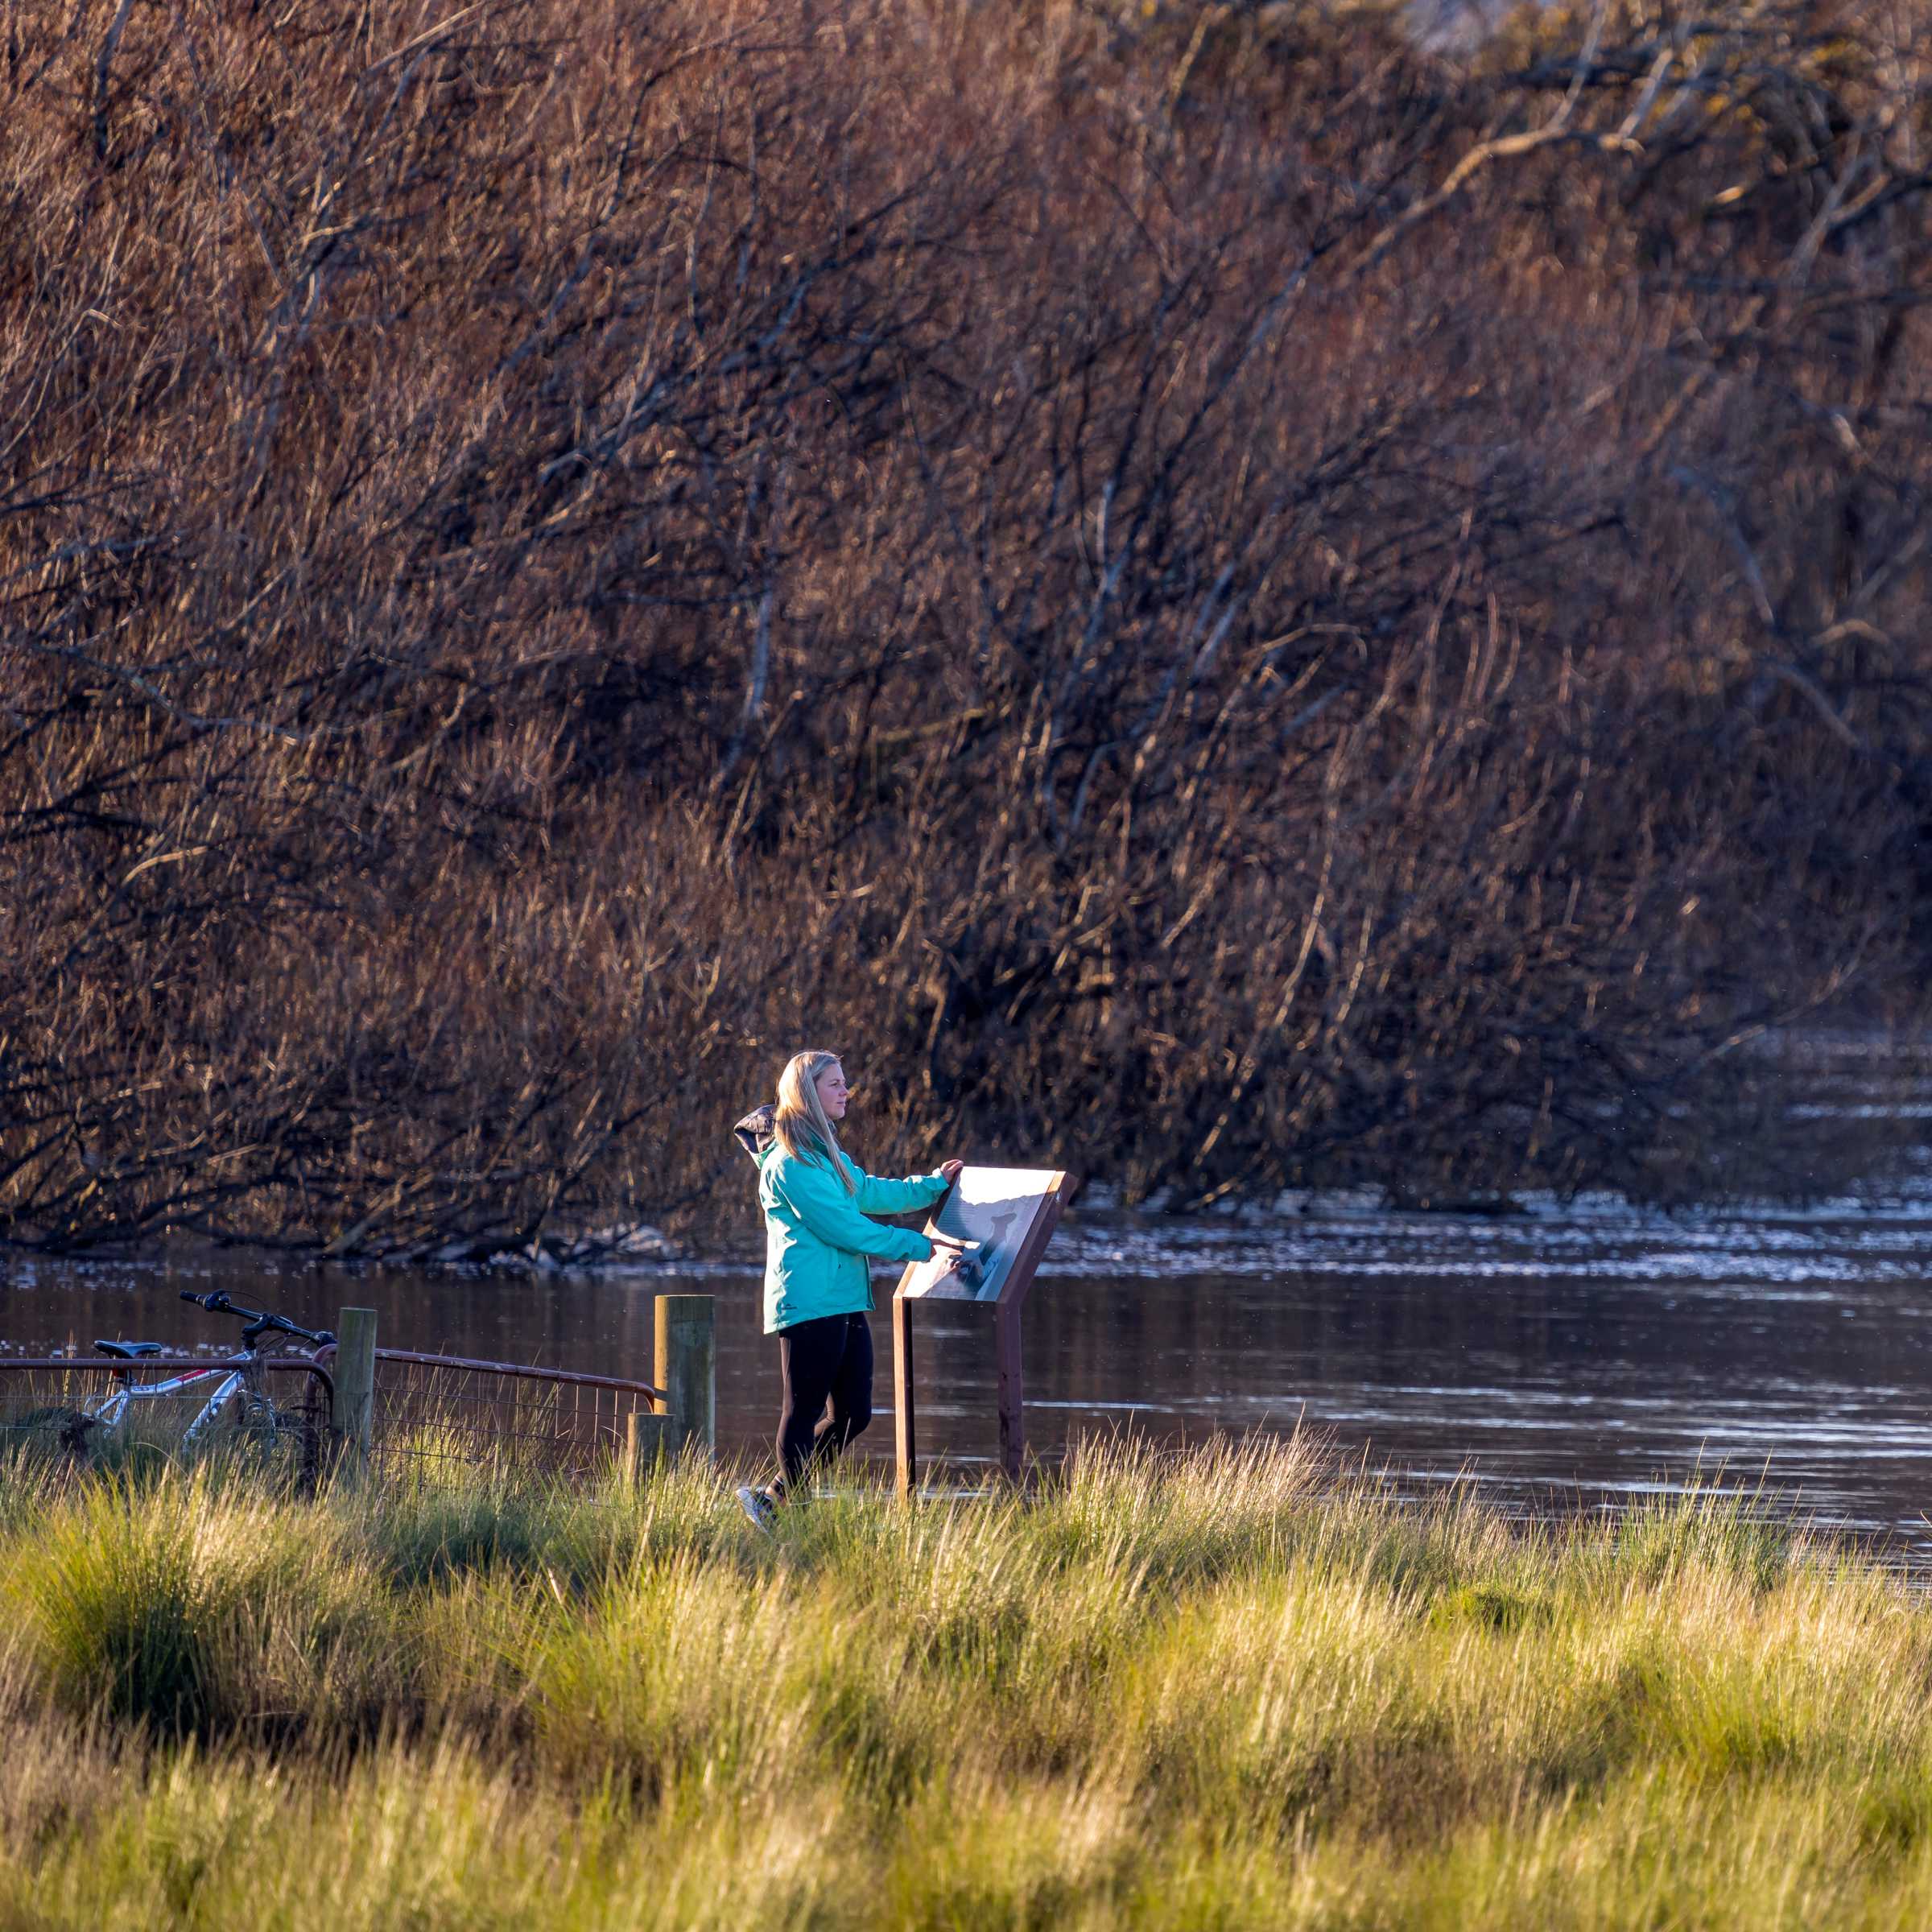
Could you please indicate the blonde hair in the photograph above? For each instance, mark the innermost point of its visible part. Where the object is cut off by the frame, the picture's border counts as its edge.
(801, 1125)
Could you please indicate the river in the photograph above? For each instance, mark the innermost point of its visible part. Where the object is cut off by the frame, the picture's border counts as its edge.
(1570, 1356)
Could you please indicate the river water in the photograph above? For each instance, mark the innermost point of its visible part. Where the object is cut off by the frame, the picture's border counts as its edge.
(1570, 1356)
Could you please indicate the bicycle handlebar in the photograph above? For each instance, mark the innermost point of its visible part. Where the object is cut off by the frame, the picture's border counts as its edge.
(260, 1322)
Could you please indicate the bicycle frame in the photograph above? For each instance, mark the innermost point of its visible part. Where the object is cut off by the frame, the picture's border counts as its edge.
(236, 1374)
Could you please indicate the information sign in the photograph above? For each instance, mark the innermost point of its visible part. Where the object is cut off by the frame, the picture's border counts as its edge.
(989, 1233)
(996, 1213)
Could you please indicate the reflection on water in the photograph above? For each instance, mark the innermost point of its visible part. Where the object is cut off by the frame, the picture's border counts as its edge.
(1559, 1357)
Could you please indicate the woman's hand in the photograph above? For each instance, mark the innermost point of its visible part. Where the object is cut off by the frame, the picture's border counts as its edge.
(951, 1170)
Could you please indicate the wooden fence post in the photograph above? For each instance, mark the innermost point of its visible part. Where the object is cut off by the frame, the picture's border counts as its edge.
(355, 1385)
(645, 1439)
(687, 1370)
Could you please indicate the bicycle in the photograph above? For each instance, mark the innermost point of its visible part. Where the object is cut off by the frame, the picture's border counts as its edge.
(257, 1422)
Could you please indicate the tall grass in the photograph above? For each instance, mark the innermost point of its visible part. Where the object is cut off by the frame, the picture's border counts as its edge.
(1234, 1688)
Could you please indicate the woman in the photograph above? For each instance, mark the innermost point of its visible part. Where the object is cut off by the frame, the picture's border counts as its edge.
(818, 1285)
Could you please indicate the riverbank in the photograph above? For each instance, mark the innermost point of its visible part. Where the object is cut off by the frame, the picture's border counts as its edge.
(1239, 1688)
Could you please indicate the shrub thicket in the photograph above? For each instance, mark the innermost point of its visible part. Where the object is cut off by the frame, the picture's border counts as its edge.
(1219, 597)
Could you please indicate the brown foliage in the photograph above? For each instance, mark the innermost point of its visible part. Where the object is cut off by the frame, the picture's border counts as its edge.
(1230, 601)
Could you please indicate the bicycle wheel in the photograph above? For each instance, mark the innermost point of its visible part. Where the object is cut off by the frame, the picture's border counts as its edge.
(282, 1442)
(54, 1429)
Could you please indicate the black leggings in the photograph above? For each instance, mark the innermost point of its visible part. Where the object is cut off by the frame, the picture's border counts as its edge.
(830, 1358)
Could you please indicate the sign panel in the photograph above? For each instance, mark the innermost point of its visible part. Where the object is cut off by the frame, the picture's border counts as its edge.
(1005, 1215)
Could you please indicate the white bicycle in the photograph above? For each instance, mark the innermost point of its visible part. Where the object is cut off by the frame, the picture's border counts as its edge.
(255, 1421)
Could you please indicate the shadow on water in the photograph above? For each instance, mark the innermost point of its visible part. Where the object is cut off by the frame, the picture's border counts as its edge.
(1562, 1358)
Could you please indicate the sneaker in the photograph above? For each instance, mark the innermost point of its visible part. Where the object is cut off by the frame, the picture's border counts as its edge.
(758, 1505)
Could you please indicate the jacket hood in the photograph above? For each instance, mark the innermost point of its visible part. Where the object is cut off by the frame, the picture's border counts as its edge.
(754, 1132)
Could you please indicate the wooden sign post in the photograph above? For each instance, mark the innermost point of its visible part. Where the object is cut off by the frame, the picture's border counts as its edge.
(1007, 1214)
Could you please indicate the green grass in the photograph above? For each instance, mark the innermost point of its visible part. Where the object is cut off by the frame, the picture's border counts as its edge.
(1232, 1689)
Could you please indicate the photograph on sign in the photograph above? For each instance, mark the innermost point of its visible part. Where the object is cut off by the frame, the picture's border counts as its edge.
(987, 1218)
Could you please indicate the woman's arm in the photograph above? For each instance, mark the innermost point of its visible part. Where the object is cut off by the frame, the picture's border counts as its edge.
(877, 1195)
(819, 1198)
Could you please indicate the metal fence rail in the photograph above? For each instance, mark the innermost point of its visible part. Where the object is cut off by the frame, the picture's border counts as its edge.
(432, 1410)
(401, 1410)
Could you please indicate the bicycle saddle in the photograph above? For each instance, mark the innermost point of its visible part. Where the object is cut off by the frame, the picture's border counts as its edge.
(129, 1351)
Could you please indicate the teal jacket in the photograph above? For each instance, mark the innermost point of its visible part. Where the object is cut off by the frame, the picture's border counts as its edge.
(817, 1236)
